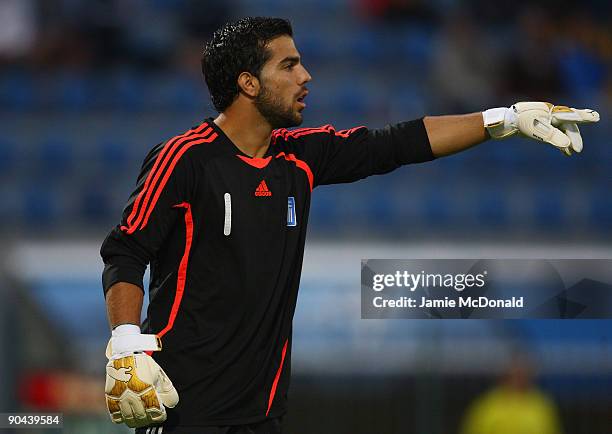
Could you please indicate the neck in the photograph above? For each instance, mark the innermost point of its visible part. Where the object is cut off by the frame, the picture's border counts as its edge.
(247, 129)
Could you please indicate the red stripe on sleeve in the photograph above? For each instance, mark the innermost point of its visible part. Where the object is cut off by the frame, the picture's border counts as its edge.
(299, 132)
(346, 133)
(324, 129)
(277, 377)
(153, 171)
(164, 181)
(153, 188)
(284, 133)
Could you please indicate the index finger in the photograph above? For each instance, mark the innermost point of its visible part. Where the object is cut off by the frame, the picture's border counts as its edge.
(561, 113)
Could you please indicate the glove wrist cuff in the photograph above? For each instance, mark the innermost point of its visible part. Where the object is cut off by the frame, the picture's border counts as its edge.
(127, 339)
(126, 329)
(494, 116)
(500, 122)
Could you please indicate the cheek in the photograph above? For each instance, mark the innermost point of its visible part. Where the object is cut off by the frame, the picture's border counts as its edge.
(283, 91)
(278, 89)
(281, 87)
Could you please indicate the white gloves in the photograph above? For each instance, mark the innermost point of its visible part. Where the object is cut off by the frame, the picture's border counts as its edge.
(137, 389)
(554, 124)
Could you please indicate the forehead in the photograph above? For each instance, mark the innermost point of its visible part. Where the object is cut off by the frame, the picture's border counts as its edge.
(280, 48)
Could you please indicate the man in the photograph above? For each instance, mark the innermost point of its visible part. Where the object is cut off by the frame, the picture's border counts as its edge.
(515, 405)
(220, 214)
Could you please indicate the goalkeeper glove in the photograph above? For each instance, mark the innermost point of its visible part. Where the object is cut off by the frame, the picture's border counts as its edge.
(137, 389)
(554, 124)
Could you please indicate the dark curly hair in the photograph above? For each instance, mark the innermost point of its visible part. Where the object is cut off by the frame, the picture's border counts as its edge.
(235, 48)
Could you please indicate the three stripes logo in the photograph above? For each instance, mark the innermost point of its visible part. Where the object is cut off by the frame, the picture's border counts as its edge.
(262, 189)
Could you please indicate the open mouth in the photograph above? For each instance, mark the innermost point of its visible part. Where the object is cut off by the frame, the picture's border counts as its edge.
(302, 97)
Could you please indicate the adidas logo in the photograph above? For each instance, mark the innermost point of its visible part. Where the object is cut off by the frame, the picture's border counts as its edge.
(262, 189)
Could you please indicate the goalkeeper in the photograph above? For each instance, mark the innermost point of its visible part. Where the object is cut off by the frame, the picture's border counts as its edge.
(220, 214)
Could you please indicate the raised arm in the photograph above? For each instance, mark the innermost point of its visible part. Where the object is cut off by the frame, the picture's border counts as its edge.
(451, 134)
(556, 125)
(349, 155)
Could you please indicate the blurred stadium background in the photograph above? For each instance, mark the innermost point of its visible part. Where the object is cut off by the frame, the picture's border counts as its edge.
(87, 87)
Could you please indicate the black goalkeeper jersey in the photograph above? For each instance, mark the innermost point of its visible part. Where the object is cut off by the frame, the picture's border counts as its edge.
(224, 236)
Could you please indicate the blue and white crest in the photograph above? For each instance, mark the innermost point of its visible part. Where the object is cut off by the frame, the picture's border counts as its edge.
(291, 219)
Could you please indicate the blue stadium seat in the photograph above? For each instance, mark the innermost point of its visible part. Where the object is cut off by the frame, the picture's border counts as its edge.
(455, 167)
(417, 46)
(601, 207)
(351, 99)
(408, 99)
(375, 205)
(549, 210)
(506, 155)
(561, 330)
(582, 73)
(313, 47)
(364, 47)
(324, 210)
(94, 204)
(10, 209)
(8, 156)
(113, 153)
(437, 207)
(261, 8)
(17, 91)
(597, 146)
(55, 157)
(177, 93)
(74, 92)
(491, 207)
(40, 206)
(129, 90)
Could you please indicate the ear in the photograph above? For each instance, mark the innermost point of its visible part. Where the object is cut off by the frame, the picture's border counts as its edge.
(248, 83)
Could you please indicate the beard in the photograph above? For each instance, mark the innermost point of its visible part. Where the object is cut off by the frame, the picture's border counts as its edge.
(274, 111)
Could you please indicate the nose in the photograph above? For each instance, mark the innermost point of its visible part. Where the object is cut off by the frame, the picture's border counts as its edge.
(305, 77)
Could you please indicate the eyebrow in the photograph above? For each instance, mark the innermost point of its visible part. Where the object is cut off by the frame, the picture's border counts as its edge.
(290, 59)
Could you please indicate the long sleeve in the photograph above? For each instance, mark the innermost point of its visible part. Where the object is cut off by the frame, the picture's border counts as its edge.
(349, 155)
(165, 181)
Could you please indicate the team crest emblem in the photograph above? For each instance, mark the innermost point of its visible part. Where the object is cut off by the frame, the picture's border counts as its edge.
(291, 219)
